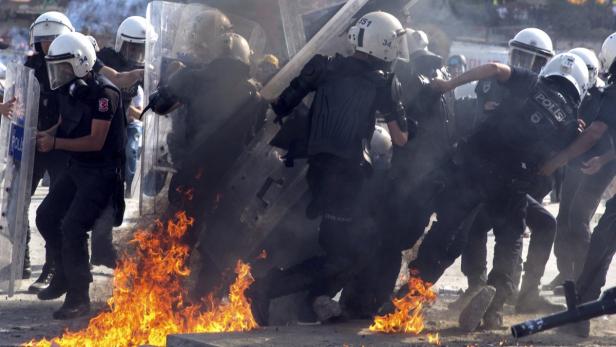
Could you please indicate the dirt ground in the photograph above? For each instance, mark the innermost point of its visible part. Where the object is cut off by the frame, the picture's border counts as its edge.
(23, 317)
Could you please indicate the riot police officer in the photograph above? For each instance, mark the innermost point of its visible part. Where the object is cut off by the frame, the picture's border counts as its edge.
(348, 91)
(581, 192)
(128, 55)
(415, 174)
(92, 132)
(43, 31)
(529, 49)
(224, 111)
(496, 166)
(603, 241)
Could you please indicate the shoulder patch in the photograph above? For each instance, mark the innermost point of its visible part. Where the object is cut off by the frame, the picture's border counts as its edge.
(103, 105)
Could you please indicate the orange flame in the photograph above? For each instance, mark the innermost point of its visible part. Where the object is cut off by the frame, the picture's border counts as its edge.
(262, 255)
(434, 339)
(408, 314)
(148, 298)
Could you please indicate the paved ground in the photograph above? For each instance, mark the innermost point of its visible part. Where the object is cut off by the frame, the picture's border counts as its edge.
(23, 317)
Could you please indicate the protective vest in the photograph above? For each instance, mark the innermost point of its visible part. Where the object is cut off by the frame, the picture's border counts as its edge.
(342, 115)
(544, 122)
(76, 116)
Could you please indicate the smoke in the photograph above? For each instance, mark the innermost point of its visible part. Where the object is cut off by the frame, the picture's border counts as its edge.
(102, 17)
(19, 38)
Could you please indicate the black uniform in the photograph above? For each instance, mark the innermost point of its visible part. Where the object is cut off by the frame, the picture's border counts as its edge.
(84, 190)
(103, 251)
(581, 195)
(348, 92)
(415, 177)
(54, 162)
(603, 241)
(490, 94)
(223, 112)
(497, 170)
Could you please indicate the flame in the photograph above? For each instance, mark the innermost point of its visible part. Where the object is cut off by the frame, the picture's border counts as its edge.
(262, 255)
(408, 314)
(434, 339)
(148, 297)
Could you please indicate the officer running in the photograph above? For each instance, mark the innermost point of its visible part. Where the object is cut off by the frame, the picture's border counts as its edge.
(92, 131)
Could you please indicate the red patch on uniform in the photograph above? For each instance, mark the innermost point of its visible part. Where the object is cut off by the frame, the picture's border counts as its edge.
(103, 105)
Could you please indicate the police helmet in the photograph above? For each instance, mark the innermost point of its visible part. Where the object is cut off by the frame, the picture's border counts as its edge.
(417, 40)
(235, 46)
(380, 35)
(71, 56)
(570, 67)
(199, 34)
(592, 63)
(381, 148)
(531, 48)
(608, 54)
(130, 39)
(48, 26)
(456, 64)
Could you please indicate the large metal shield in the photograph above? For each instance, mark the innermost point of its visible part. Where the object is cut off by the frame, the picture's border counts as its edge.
(17, 150)
(260, 190)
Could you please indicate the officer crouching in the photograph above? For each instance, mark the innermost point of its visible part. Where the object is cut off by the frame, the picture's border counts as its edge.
(92, 131)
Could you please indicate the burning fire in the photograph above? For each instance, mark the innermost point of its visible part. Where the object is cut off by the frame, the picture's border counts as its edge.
(407, 317)
(434, 339)
(148, 297)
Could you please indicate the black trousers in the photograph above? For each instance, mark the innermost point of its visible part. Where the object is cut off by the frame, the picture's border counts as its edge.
(55, 164)
(471, 188)
(336, 186)
(67, 214)
(543, 228)
(600, 254)
(581, 195)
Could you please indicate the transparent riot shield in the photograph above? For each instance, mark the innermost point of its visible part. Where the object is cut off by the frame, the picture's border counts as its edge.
(17, 149)
(260, 190)
(181, 36)
(156, 161)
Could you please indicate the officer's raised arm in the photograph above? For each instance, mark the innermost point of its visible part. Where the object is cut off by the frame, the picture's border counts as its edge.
(499, 71)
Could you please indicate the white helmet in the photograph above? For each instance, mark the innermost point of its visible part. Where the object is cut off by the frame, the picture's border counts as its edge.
(417, 40)
(380, 35)
(381, 148)
(592, 63)
(608, 53)
(48, 26)
(531, 48)
(70, 56)
(571, 67)
(130, 39)
(236, 46)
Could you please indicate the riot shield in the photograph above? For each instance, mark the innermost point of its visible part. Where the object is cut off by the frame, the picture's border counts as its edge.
(17, 150)
(260, 190)
(176, 38)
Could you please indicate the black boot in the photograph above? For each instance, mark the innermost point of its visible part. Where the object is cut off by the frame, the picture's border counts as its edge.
(43, 280)
(27, 269)
(531, 301)
(259, 302)
(76, 304)
(471, 315)
(57, 287)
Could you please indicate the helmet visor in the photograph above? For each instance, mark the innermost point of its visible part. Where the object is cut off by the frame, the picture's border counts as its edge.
(60, 74)
(527, 60)
(133, 52)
